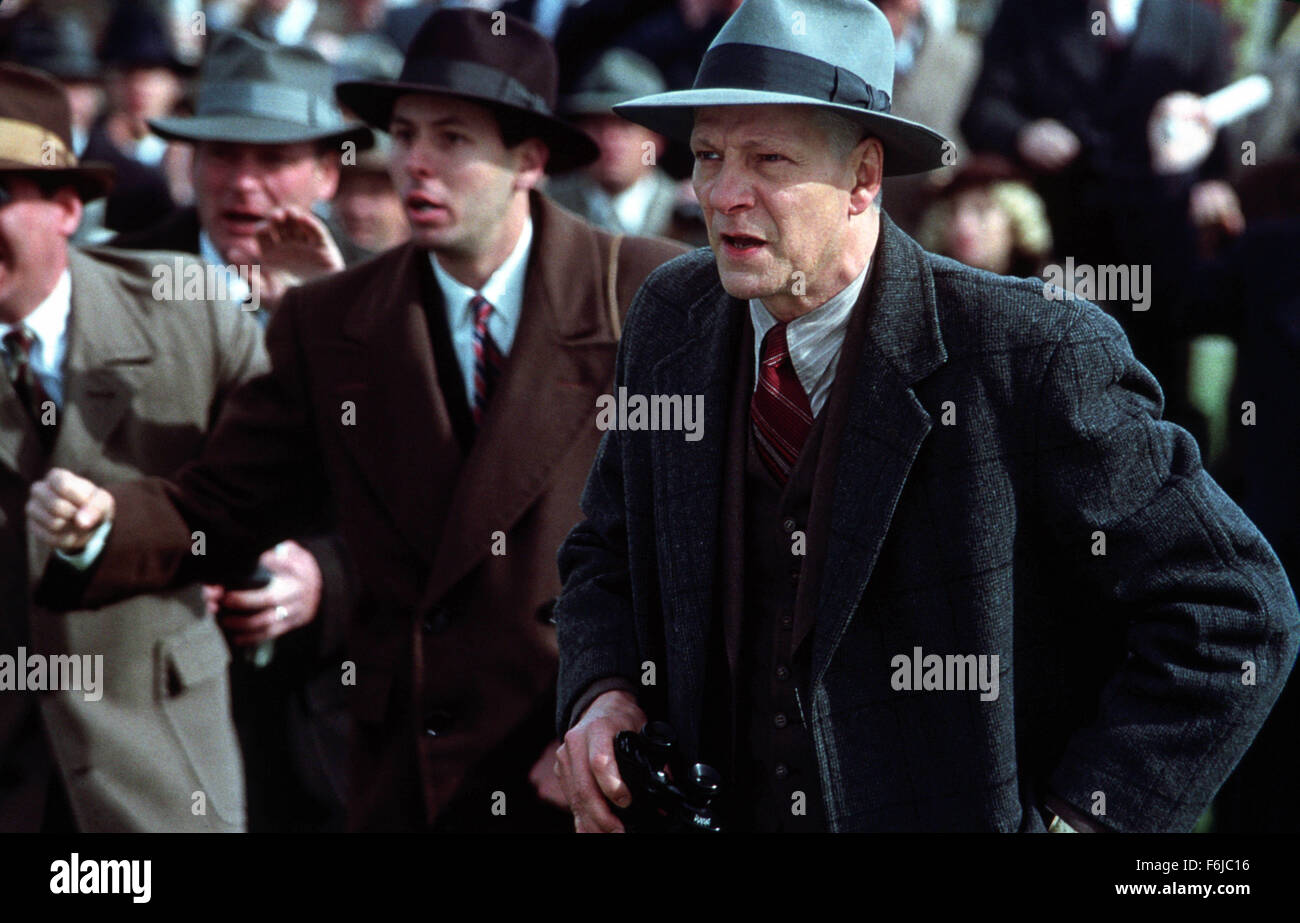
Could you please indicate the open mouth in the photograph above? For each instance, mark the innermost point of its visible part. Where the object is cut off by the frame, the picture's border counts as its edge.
(238, 220)
(742, 244)
(419, 205)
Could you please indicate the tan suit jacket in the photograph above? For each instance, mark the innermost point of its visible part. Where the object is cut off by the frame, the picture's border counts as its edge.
(143, 380)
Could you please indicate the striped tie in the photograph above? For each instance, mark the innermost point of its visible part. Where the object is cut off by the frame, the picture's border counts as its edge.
(487, 357)
(18, 344)
(780, 412)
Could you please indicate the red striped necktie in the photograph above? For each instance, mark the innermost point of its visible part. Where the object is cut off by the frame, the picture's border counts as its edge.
(488, 359)
(779, 412)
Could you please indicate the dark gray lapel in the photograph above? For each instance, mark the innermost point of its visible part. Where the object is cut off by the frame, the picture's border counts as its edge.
(688, 484)
(884, 430)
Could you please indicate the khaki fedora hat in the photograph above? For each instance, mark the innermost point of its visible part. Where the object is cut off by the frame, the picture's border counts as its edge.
(36, 133)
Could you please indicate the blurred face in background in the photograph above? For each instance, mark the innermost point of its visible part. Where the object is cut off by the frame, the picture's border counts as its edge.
(980, 232)
(85, 99)
(901, 14)
(237, 185)
(627, 151)
(366, 14)
(370, 210)
(144, 92)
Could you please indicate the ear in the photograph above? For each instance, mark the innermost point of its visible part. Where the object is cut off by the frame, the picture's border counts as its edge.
(868, 161)
(70, 210)
(327, 176)
(531, 155)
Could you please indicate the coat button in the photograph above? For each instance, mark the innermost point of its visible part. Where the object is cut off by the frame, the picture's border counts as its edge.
(787, 621)
(437, 722)
(783, 672)
(789, 525)
(779, 719)
(782, 772)
(436, 622)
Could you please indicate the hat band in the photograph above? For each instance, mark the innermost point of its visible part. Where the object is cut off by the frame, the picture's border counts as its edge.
(741, 66)
(27, 142)
(474, 78)
(269, 101)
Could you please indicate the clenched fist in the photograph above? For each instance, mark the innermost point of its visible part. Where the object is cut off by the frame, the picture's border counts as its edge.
(64, 510)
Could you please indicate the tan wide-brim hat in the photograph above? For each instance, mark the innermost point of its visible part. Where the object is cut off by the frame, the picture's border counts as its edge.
(36, 134)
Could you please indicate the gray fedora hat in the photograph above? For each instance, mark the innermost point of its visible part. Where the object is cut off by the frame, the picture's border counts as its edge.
(257, 92)
(837, 55)
(617, 76)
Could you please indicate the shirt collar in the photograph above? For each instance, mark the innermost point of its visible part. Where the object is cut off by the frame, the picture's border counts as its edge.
(236, 287)
(208, 250)
(809, 334)
(631, 204)
(504, 289)
(49, 322)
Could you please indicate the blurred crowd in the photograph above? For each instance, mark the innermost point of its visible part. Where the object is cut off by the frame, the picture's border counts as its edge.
(1080, 133)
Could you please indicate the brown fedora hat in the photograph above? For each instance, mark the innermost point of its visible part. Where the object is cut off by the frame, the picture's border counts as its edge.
(489, 58)
(36, 133)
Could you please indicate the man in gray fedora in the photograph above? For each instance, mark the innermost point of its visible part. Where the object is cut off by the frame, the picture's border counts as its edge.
(624, 191)
(936, 562)
(268, 145)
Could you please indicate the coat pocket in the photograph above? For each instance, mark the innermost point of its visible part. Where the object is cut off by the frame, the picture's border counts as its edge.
(193, 690)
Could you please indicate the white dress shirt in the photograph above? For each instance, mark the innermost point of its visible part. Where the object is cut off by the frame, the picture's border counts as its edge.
(504, 289)
(814, 339)
(236, 287)
(49, 324)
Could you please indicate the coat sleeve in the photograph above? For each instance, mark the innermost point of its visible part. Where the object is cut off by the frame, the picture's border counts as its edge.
(1208, 619)
(257, 481)
(594, 613)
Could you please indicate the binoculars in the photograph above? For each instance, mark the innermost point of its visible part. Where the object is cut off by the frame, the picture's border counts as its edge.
(661, 803)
